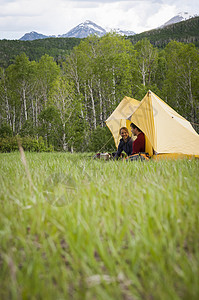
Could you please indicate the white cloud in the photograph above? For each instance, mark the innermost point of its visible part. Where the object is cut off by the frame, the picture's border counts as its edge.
(18, 17)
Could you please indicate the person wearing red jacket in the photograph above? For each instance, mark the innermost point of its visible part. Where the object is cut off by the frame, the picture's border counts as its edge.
(139, 143)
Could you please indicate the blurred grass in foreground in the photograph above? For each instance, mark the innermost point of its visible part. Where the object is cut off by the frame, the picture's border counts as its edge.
(90, 229)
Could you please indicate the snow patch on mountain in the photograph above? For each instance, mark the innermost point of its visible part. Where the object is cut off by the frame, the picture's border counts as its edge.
(31, 36)
(182, 16)
(90, 28)
(120, 31)
(85, 29)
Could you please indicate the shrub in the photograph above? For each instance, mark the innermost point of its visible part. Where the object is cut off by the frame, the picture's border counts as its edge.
(8, 144)
(32, 144)
(41, 144)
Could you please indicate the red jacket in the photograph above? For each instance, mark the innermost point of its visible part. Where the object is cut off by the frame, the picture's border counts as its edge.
(139, 144)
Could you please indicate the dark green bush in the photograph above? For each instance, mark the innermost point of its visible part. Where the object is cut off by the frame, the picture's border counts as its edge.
(32, 144)
(8, 144)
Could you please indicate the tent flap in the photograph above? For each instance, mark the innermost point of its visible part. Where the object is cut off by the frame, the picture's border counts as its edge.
(121, 117)
(166, 132)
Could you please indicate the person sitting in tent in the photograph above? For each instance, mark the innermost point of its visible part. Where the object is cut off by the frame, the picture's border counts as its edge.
(125, 143)
(139, 143)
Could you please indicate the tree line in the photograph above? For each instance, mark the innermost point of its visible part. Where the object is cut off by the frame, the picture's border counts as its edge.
(185, 32)
(55, 47)
(66, 103)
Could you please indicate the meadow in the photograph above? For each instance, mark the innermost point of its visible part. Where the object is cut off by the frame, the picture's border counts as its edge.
(76, 228)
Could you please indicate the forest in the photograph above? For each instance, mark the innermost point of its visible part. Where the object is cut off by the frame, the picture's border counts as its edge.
(185, 32)
(62, 104)
(56, 47)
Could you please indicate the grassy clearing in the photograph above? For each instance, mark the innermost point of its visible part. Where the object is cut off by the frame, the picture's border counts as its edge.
(89, 229)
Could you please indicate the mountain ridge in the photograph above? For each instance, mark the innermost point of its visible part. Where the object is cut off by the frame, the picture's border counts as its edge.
(186, 32)
(84, 29)
(80, 31)
(88, 27)
(181, 16)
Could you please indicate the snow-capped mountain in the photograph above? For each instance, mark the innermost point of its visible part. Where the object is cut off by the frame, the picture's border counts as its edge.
(182, 16)
(80, 31)
(85, 29)
(33, 36)
(88, 27)
(121, 32)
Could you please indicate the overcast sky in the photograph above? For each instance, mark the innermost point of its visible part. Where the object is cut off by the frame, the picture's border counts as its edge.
(53, 17)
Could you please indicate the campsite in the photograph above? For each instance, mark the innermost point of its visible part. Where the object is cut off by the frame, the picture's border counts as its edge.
(103, 228)
(165, 130)
(76, 227)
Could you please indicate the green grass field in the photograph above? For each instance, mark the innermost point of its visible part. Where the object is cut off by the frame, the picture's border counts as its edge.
(76, 228)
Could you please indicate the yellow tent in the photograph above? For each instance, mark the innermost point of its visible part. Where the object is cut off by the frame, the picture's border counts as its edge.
(121, 117)
(167, 133)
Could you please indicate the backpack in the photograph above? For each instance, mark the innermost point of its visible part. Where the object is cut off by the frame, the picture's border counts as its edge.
(141, 156)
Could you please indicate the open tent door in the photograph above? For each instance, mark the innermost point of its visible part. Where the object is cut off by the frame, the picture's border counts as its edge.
(169, 134)
(121, 117)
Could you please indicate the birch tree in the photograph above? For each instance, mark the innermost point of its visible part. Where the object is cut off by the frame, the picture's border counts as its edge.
(182, 81)
(20, 85)
(47, 72)
(147, 59)
(64, 98)
(102, 72)
(5, 107)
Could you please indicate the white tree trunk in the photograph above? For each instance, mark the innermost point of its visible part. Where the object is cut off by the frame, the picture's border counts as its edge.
(114, 85)
(92, 104)
(86, 102)
(74, 75)
(101, 104)
(36, 113)
(14, 119)
(143, 74)
(191, 98)
(24, 104)
(33, 111)
(8, 118)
